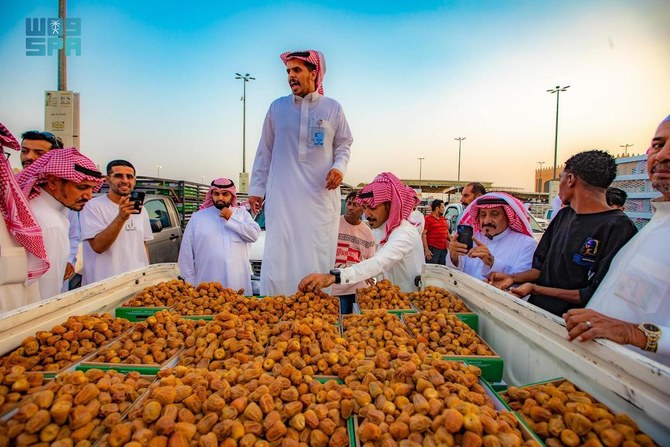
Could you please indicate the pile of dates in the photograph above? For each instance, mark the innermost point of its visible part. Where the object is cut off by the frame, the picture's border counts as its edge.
(15, 384)
(151, 342)
(382, 295)
(160, 294)
(379, 329)
(561, 415)
(446, 333)
(66, 343)
(245, 407)
(437, 299)
(76, 408)
(227, 341)
(312, 304)
(311, 345)
(429, 402)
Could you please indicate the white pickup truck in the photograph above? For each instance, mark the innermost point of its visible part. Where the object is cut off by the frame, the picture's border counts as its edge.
(531, 341)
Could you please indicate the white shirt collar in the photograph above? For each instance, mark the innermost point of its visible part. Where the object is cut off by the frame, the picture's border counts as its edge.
(311, 97)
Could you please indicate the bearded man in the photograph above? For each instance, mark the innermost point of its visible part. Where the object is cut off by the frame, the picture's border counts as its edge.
(503, 240)
(215, 246)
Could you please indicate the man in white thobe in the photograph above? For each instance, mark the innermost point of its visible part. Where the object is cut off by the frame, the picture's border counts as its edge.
(215, 246)
(300, 162)
(23, 257)
(503, 239)
(58, 181)
(399, 257)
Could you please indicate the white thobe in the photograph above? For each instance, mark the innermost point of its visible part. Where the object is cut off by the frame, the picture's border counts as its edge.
(216, 249)
(512, 253)
(52, 217)
(14, 289)
(302, 217)
(400, 260)
(636, 288)
(127, 252)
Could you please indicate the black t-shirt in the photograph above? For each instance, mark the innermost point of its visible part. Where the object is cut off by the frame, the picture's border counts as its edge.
(575, 253)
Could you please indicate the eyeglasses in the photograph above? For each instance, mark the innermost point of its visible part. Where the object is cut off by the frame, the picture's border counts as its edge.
(53, 139)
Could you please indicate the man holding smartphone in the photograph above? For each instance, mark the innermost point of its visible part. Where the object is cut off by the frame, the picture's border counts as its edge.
(502, 240)
(115, 227)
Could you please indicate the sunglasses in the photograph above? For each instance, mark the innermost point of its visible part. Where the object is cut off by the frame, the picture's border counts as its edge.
(53, 139)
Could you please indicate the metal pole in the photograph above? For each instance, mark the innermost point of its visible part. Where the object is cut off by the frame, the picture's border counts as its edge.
(244, 127)
(245, 78)
(558, 94)
(158, 168)
(62, 59)
(625, 148)
(420, 166)
(558, 91)
(458, 180)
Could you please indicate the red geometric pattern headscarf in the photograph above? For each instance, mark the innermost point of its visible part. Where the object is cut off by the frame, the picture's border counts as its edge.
(514, 210)
(315, 58)
(68, 164)
(386, 187)
(222, 184)
(17, 215)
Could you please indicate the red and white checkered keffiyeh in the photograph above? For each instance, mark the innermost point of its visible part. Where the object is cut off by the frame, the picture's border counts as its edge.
(17, 215)
(386, 187)
(514, 209)
(222, 184)
(315, 58)
(68, 164)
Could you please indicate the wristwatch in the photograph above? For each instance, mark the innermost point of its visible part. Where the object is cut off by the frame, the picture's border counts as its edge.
(336, 274)
(653, 334)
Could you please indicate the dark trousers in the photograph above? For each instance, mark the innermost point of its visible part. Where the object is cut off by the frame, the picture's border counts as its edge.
(347, 304)
(439, 256)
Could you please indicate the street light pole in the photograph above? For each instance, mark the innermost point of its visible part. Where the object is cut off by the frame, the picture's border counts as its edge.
(246, 78)
(158, 168)
(625, 148)
(458, 180)
(558, 91)
(421, 159)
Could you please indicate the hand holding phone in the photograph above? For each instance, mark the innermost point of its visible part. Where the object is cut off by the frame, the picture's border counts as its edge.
(465, 233)
(137, 197)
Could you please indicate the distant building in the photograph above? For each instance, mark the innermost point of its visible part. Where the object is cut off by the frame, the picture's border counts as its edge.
(544, 176)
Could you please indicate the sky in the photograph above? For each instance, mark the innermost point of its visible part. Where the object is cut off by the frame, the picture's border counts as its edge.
(158, 88)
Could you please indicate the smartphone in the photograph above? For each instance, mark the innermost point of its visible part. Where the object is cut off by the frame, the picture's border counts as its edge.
(137, 197)
(465, 235)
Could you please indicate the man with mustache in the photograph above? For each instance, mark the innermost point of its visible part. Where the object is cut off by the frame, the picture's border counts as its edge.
(216, 242)
(114, 232)
(503, 239)
(435, 234)
(575, 252)
(632, 305)
(387, 203)
(299, 165)
(58, 181)
(34, 144)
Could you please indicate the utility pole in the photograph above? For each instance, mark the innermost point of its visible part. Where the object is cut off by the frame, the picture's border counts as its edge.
(245, 78)
(458, 180)
(625, 148)
(158, 169)
(421, 159)
(62, 59)
(558, 91)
